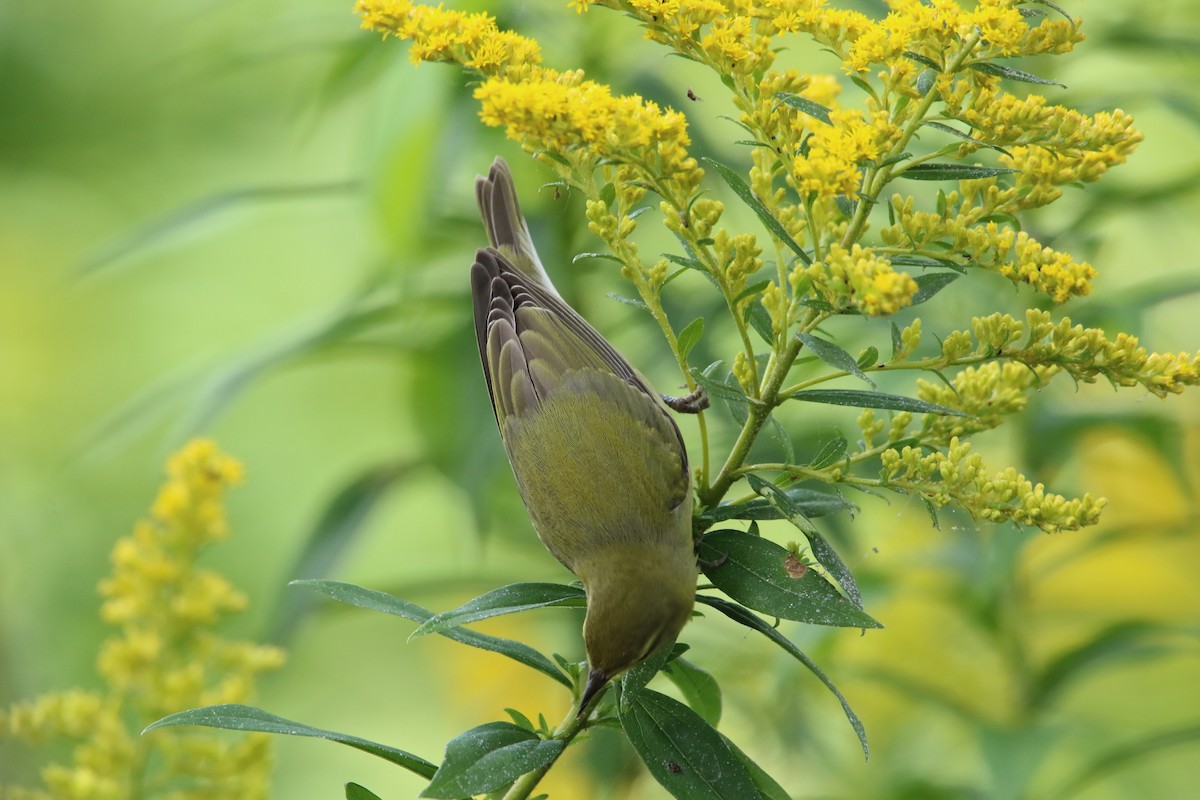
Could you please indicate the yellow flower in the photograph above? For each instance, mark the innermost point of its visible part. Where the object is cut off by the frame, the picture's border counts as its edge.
(165, 658)
(857, 278)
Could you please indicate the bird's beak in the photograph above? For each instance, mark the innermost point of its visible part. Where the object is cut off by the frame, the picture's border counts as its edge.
(596, 682)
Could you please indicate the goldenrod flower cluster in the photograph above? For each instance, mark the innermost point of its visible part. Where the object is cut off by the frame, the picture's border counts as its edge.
(859, 279)
(957, 475)
(555, 114)
(167, 657)
(1083, 353)
(832, 178)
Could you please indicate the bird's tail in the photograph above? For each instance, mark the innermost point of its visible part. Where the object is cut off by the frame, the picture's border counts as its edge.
(506, 228)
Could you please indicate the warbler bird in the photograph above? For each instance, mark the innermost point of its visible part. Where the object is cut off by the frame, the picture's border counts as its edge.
(599, 461)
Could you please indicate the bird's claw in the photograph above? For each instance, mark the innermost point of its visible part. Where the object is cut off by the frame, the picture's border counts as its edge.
(693, 403)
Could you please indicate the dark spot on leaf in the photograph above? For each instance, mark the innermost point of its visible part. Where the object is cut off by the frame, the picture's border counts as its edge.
(794, 566)
(674, 768)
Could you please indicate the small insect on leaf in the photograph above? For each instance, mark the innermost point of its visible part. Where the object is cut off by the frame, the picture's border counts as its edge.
(674, 768)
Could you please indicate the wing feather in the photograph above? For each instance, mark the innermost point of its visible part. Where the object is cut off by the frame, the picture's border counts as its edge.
(539, 355)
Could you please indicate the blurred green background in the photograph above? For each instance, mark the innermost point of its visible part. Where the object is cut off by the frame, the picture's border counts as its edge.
(254, 221)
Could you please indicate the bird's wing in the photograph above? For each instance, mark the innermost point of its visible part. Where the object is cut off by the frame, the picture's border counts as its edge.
(544, 364)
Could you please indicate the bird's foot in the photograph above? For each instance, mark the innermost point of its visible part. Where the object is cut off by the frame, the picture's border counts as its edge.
(693, 403)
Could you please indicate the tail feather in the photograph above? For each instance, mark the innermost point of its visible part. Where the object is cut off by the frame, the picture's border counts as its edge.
(506, 227)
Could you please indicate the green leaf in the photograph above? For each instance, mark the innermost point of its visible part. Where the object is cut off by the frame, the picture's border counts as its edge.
(689, 336)
(753, 289)
(754, 572)
(636, 679)
(682, 751)
(742, 190)
(806, 106)
(717, 389)
(780, 435)
(372, 600)
(356, 792)
(489, 757)
(684, 261)
(520, 719)
(856, 398)
(868, 358)
(930, 284)
(810, 502)
(833, 355)
(831, 453)
(608, 193)
(767, 786)
(951, 172)
(505, 600)
(1001, 71)
(629, 301)
(920, 59)
(606, 256)
(234, 717)
(760, 320)
(699, 689)
(1057, 8)
(955, 132)
(926, 80)
(828, 558)
(325, 544)
(743, 616)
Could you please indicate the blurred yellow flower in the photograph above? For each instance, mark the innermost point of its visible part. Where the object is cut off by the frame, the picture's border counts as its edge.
(166, 657)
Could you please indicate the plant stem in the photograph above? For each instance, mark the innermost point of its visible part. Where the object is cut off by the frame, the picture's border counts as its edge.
(571, 726)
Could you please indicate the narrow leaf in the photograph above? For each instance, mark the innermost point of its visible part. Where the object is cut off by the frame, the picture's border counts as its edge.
(1057, 8)
(1001, 71)
(629, 301)
(951, 172)
(767, 786)
(757, 573)
(828, 558)
(372, 600)
(831, 453)
(234, 717)
(856, 398)
(760, 320)
(806, 106)
(699, 689)
(356, 792)
(810, 502)
(930, 284)
(689, 336)
(834, 356)
(718, 389)
(606, 256)
(505, 600)
(743, 190)
(489, 757)
(682, 751)
(744, 616)
(955, 132)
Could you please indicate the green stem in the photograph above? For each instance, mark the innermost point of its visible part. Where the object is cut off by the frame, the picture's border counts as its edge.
(878, 177)
(571, 726)
(759, 413)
